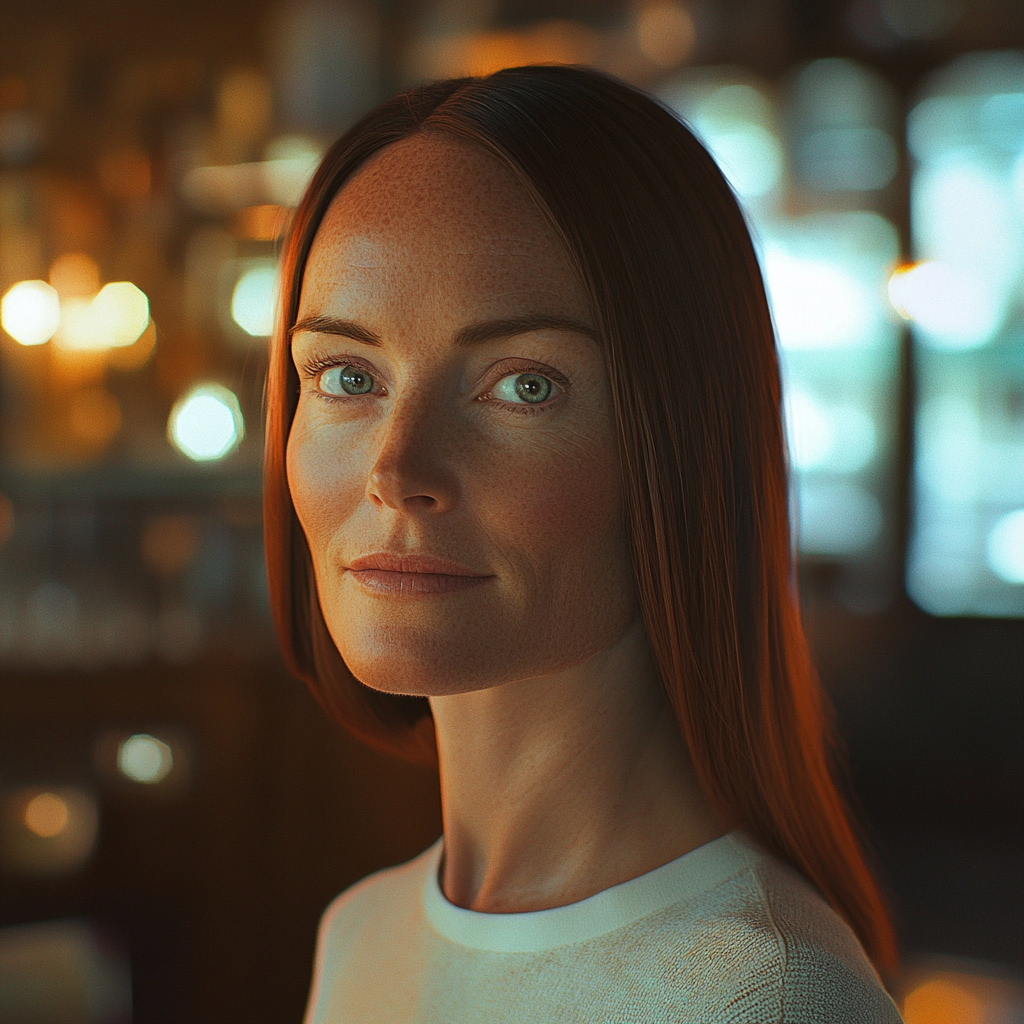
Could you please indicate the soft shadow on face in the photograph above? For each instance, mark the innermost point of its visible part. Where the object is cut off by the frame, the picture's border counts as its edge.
(453, 458)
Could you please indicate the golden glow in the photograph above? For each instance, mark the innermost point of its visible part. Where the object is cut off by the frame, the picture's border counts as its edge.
(131, 357)
(94, 416)
(125, 173)
(483, 53)
(30, 312)
(75, 275)
(57, 830)
(665, 33)
(941, 1001)
(263, 223)
(46, 815)
(125, 309)
(115, 317)
(244, 106)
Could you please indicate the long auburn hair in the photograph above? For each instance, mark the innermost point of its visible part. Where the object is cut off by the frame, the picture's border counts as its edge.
(660, 243)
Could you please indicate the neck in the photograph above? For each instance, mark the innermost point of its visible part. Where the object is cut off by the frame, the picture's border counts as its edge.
(558, 787)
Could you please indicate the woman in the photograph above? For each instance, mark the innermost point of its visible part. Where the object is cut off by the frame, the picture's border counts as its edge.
(526, 518)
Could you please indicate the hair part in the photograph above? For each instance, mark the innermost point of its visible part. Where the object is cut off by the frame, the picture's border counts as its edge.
(661, 246)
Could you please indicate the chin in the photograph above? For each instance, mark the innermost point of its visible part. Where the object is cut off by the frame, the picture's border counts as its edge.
(419, 661)
(400, 673)
(423, 650)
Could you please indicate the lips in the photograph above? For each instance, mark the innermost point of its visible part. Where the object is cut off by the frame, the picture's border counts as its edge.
(412, 564)
(412, 575)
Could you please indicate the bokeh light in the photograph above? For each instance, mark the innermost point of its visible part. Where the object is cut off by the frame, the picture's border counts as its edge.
(836, 519)
(206, 424)
(817, 304)
(48, 831)
(838, 438)
(965, 299)
(126, 309)
(30, 312)
(841, 121)
(734, 120)
(115, 317)
(942, 1001)
(145, 759)
(253, 300)
(665, 33)
(46, 815)
(1004, 548)
(954, 308)
(75, 275)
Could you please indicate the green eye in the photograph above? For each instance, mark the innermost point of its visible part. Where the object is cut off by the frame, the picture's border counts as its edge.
(532, 388)
(346, 380)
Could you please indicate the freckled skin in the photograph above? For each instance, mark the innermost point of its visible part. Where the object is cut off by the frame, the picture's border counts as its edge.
(563, 771)
(427, 238)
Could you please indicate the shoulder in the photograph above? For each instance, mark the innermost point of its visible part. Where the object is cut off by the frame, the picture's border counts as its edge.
(784, 955)
(376, 900)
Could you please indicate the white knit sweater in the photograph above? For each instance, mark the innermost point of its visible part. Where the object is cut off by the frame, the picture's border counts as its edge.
(725, 933)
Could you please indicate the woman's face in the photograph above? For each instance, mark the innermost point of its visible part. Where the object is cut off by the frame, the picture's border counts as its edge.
(453, 457)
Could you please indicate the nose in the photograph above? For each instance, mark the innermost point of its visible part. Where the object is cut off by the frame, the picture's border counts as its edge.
(412, 470)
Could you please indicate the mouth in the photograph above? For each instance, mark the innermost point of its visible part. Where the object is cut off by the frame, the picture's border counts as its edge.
(412, 575)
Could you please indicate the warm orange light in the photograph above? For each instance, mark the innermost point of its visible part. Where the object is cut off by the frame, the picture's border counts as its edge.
(115, 317)
(483, 53)
(131, 357)
(263, 223)
(244, 106)
(95, 416)
(46, 815)
(126, 173)
(30, 312)
(665, 33)
(75, 275)
(941, 1001)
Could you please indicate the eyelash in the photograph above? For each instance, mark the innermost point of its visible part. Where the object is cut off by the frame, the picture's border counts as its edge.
(314, 367)
(522, 366)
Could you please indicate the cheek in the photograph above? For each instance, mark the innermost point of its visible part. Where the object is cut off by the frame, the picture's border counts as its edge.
(324, 485)
(559, 507)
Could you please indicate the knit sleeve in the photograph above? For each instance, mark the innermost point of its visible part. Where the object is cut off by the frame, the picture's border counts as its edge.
(806, 966)
(814, 988)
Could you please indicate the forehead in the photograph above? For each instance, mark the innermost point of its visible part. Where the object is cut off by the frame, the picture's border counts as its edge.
(441, 213)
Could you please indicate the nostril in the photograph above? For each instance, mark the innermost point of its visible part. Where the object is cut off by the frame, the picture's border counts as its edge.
(423, 500)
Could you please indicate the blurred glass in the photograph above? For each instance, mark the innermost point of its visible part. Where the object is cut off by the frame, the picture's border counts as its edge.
(827, 255)
(965, 300)
(841, 119)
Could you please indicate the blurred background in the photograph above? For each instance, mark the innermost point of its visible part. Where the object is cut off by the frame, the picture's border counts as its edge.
(175, 811)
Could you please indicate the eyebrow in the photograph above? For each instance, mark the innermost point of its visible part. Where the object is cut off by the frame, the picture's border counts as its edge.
(465, 337)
